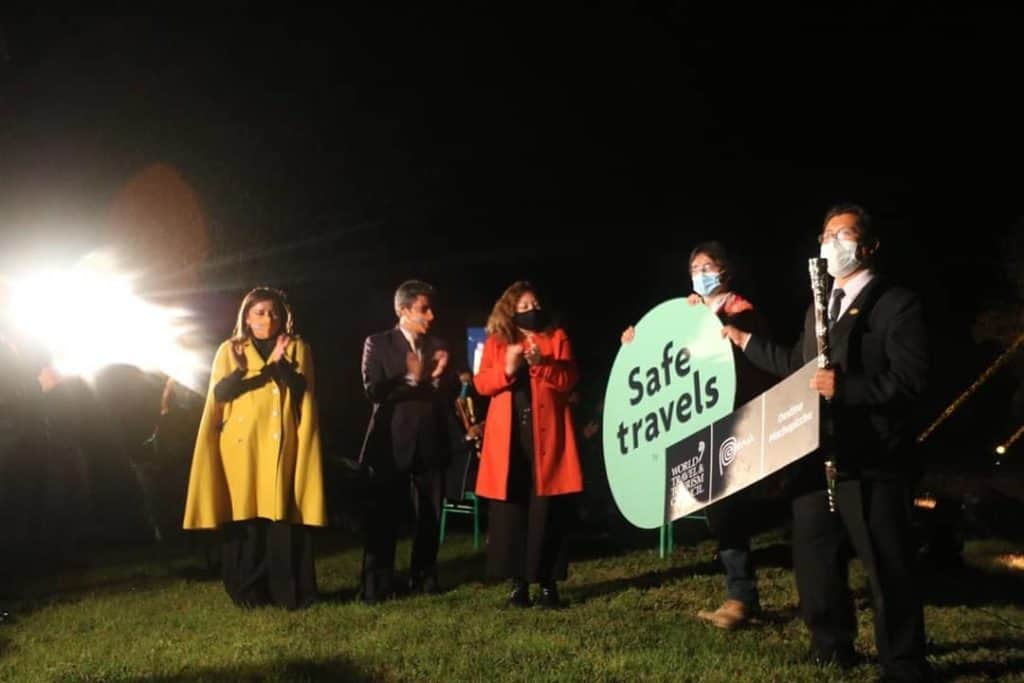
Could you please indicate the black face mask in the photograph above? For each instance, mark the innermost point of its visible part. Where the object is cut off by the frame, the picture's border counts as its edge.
(534, 321)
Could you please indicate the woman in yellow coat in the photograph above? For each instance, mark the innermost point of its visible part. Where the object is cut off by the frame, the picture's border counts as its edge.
(256, 472)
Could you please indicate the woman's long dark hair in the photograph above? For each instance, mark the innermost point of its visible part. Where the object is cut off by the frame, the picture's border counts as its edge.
(263, 293)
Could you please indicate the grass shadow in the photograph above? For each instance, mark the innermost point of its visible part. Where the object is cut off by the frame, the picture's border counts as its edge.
(1001, 643)
(968, 586)
(647, 580)
(43, 594)
(336, 669)
(342, 595)
(589, 544)
(987, 669)
(465, 568)
(194, 559)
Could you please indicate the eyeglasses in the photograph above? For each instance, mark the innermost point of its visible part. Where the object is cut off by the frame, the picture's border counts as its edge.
(848, 234)
(706, 268)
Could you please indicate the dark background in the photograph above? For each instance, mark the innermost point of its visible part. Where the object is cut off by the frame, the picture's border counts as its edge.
(335, 154)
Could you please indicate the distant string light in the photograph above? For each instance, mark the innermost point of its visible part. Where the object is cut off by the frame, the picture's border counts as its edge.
(984, 377)
(1002, 448)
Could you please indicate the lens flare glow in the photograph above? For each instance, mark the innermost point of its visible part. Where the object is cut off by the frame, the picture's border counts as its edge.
(1011, 561)
(89, 317)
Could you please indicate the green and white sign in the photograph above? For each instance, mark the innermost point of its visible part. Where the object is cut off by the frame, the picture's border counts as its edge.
(675, 378)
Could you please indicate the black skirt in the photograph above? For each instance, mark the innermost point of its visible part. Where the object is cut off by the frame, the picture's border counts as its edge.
(527, 533)
(268, 563)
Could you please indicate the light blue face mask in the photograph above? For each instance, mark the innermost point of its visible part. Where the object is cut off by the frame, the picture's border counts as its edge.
(706, 284)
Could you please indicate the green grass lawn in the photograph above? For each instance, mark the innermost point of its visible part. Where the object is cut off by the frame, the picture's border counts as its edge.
(145, 615)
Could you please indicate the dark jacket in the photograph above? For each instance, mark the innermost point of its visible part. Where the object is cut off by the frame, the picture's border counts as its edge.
(879, 349)
(751, 381)
(411, 426)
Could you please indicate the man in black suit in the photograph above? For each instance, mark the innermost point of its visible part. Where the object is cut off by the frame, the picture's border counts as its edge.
(880, 365)
(405, 375)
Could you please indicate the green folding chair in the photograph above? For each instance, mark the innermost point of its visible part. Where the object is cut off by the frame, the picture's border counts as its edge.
(470, 505)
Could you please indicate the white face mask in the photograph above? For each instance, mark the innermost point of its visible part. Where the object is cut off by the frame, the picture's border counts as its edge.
(841, 256)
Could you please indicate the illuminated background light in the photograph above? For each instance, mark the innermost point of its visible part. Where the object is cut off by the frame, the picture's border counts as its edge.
(89, 316)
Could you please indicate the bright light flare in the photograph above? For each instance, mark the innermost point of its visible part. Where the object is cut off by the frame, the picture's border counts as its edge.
(1011, 561)
(925, 502)
(89, 317)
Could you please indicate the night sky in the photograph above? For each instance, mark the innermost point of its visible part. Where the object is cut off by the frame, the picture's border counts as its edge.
(337, 154)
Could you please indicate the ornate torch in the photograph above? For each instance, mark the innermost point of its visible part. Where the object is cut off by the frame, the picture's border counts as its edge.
(818, 268)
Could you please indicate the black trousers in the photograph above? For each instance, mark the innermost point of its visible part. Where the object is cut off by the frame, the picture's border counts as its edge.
(874, 516)
(389, 499)
(266, 562)
(527, 534)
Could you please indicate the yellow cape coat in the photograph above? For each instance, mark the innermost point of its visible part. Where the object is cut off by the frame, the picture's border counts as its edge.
(258, 455)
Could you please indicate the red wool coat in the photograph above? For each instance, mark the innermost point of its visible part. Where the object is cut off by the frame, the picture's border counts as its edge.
(556, 461)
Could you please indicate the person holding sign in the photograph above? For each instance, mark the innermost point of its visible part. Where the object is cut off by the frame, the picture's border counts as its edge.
(879, 369)
(529, 462)
(712, 274)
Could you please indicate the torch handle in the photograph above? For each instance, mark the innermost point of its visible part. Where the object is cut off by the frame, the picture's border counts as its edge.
(818, 271)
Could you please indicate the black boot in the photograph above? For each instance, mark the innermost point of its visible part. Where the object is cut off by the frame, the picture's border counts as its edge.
(377, 586)
(425, 583)
(519, 596)
(548, 597)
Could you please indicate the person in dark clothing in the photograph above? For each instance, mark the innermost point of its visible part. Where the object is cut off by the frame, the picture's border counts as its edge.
(75, 443)
(408, 440)
(732, 519)
(24, 458)
(879, 371)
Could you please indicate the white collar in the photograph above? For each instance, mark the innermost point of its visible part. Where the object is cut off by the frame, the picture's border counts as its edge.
(408, 337)
(852, 289)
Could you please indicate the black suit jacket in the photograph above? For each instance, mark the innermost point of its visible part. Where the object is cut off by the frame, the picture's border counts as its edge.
(411, 426)
(751, 381)
(880, 352)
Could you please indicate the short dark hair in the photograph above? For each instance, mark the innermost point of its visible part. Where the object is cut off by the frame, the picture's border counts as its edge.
(864, 222)
(717, 252)
(409, 291)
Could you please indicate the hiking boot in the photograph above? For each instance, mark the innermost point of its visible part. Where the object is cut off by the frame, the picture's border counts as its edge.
(732, 614)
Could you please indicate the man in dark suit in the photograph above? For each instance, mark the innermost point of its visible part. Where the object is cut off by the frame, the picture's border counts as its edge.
(879, 369)
(405, 375)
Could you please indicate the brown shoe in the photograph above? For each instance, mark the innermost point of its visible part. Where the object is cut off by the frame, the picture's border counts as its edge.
(732, 614)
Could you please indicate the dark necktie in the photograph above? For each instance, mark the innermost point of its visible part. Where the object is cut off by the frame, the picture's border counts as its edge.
(834, 307)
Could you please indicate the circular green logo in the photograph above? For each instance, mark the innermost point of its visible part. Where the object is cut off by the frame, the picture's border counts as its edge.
(675, 377)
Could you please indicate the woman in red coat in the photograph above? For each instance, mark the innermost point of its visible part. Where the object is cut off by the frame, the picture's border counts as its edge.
(529, 461)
